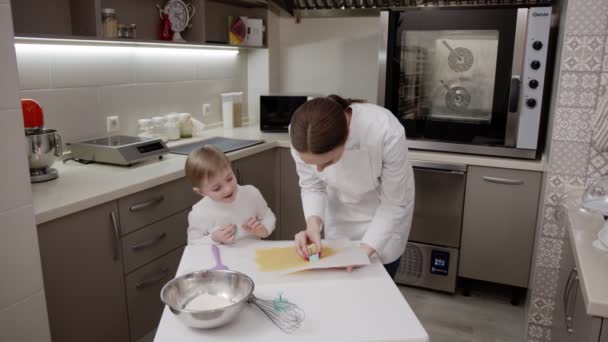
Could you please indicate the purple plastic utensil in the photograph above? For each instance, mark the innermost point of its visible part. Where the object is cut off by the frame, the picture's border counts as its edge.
(218, 260)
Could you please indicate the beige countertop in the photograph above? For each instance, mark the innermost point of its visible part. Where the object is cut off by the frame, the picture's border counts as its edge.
(84, 186)
(591, 263)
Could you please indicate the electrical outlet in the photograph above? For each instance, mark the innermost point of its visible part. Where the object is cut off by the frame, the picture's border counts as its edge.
(112, 124)
(206, 109)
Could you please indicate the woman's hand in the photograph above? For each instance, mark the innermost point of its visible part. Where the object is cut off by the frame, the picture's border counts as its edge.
(224, 234)
(312, 234)
(255, 227)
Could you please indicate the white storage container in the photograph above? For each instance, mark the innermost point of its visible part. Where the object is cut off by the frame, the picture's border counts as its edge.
(232, 109)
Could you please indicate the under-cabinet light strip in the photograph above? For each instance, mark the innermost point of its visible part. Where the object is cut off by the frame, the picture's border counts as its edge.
(92, 42)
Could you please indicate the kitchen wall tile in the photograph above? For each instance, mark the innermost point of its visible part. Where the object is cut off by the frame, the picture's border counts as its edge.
(549, 252)
(550, 212)
(138, 101)
(598, 164)
(605, 62)
(556, 187)
(81, 66)
(26, 321)
(583, 53)
(19, 256)
(538, 333)
(15, 181)
(545, 282)
(573, 124)
(220, 67)
(152, 65)
(34, 67)
(73, 112)
(569, 158)
(600, 117)
(553, 229)
(541, 311)
(578, 89)
(587, 17)
(8, 68)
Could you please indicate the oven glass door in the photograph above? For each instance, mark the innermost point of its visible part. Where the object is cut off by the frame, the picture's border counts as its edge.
(448, 73)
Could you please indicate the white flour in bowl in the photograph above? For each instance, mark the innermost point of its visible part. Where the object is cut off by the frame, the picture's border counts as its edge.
(207, 302)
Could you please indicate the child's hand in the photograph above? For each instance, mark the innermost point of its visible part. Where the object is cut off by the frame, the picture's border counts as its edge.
(255, 227)
(224, 234)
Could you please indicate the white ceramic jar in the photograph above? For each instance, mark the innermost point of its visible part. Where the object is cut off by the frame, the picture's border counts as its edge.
(144, 128)
(159, 129)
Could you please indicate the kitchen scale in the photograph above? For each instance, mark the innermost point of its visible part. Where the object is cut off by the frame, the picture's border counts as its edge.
(118, 149)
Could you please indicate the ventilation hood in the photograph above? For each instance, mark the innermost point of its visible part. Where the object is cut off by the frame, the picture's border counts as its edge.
(341, 8)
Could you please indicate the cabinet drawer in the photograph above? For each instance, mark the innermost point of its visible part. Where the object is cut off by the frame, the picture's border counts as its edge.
(143, 293)
(149, 243)
(498, 225)
(148, 206)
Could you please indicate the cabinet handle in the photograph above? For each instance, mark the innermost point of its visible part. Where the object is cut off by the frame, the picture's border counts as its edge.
(116, 231)
(503, 180)
(148, 204)
(150, 242)
(155, 279)
(570, 300)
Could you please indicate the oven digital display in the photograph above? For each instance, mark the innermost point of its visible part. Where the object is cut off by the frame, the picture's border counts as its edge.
(150, 147)
(440, 262)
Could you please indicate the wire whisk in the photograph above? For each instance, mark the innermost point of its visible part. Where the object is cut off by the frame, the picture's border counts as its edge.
(283, 313)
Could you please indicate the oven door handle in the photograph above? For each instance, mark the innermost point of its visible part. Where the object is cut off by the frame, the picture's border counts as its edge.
(514, 94)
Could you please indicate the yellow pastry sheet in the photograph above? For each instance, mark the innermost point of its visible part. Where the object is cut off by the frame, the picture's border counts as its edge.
(285, 258)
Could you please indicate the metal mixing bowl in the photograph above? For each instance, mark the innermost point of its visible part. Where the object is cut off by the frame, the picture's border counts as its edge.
(234, 286)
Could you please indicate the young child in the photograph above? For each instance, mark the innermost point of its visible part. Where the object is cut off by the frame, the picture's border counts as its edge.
(228, 211)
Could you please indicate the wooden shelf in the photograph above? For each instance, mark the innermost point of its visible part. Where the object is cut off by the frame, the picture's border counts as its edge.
(77, 21)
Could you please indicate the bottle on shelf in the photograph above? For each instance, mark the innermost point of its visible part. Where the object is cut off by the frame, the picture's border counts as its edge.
(109, 23)
(172, 126)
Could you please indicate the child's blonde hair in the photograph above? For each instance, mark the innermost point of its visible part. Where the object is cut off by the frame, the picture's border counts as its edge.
(204, 163)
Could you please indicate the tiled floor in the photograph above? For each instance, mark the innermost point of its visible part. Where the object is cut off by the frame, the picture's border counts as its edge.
(485, 316)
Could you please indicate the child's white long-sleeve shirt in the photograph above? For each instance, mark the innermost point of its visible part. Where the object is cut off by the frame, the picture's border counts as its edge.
(208, 215)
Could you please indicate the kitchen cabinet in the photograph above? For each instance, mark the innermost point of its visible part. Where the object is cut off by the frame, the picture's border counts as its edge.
(292, 214)
(81, 19)
(262, 171)
(143, 292)
(148, 206)
(570, 320)
(499, 222)
(580, 327)
(103, 271)
(83, 276)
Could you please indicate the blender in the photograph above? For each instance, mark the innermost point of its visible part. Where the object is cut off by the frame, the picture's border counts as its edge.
(43, 145)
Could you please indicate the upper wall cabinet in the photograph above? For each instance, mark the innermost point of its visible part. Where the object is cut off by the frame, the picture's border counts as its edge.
(82, 19)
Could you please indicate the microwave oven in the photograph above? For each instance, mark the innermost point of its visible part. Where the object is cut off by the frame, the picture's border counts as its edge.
(469, 80)
(276, 111)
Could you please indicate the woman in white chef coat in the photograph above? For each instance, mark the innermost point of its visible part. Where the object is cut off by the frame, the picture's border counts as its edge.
(356, 179)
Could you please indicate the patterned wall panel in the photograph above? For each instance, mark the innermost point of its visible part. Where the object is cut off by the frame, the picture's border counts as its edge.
(577, 155)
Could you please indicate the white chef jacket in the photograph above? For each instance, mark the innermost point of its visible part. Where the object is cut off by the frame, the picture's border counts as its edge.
(208, 215)
(368, 195)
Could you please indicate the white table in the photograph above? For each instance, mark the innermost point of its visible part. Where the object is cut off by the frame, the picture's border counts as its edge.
(364, 305)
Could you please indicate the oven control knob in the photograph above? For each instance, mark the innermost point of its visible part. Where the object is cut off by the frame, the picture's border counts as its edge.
(531, 103)
(537, 45)
(533, 84)
(535, 65)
